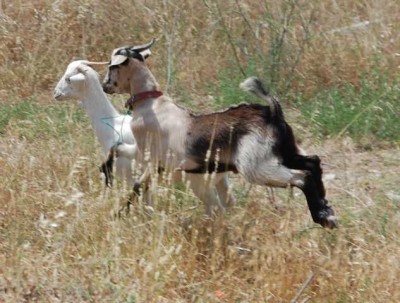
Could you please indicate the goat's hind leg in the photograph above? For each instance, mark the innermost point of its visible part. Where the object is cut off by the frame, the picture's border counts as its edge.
(321, 212)
(311, 164)
(314, 188)
(225, 196)
(282, 176)
(207, 193)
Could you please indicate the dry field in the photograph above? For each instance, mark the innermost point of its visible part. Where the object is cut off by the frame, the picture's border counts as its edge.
(60, 242)
(59, 238)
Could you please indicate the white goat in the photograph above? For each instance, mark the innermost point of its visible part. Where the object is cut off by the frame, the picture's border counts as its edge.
(81, 82)
(252, 139)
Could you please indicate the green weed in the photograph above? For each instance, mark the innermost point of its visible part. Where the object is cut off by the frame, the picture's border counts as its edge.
(362, 113)
(31, 120)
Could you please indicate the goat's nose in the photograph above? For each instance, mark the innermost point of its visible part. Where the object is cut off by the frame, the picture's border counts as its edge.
(57, 94)
(107, 88)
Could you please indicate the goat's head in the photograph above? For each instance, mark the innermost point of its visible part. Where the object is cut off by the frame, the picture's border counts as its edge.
(71, 84)
(123, 61)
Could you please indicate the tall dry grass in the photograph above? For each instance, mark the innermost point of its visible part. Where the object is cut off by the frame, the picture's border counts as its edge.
(293, 43)
(59, 240)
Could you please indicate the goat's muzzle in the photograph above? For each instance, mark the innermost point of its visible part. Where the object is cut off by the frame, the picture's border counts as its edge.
(108, 88)
(57, 95)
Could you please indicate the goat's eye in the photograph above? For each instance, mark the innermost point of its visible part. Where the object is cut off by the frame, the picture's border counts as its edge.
(68, 79)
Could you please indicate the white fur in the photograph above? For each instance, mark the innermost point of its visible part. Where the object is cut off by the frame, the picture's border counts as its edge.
(81, 82)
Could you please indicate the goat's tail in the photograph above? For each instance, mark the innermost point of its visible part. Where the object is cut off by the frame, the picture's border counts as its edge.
(255, 86)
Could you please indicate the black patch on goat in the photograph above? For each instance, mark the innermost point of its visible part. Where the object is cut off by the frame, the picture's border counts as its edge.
(129, 53)
(212, 167)
(222, 131)
(225, 139)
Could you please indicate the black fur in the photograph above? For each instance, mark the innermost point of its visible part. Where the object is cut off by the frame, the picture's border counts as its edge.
(317, 205)
(213, 167)
(130, 53)
(314, 190)
(107, 169)
(286, 148)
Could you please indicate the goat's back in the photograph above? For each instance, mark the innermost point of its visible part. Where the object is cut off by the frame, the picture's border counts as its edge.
(219, 134)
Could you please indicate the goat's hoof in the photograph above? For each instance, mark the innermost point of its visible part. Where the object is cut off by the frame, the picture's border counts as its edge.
(327, 218)
(149, 210)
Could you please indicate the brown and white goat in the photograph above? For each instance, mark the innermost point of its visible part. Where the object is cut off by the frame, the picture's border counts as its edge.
(251, 139)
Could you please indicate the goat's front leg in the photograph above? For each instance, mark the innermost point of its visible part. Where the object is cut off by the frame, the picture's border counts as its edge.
(140, 186)
(124, 150)
(107, 167)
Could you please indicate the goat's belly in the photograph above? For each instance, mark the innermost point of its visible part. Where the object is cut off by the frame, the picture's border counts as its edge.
(201, 167)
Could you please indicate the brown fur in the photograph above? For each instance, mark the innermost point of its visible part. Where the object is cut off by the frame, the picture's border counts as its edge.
(226, 128)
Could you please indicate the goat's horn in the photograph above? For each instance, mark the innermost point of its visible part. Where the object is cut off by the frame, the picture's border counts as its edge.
(143, 47)
(97, 63)
(82, 68)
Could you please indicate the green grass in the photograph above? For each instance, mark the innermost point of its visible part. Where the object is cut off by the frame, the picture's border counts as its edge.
(368, 112)
(31, 120)
(227, 91)
(365, 112)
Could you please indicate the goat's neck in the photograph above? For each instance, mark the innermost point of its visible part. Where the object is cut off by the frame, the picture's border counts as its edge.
(97, 105)
(143, 80)
(100, 111)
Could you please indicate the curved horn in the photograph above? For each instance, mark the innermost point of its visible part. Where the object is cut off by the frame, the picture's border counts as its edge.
(143, 47)
(82, 68)
(97, 63)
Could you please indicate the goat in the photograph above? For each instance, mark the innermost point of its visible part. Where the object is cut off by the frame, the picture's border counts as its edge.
(251, 139)
(81, 82)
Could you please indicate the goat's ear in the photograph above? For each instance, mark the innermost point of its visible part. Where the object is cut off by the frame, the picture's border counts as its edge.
(77, 78)
(134, 54)
(146, 53)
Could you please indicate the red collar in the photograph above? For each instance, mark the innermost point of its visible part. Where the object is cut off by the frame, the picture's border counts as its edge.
(141, 96)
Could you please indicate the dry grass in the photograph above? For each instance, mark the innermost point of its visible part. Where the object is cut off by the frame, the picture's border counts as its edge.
(302, 44)
(59, 241)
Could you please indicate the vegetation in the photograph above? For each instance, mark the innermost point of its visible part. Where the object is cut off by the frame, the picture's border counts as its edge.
(334, 65)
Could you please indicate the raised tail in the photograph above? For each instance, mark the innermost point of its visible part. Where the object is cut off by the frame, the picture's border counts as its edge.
(255, 86)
